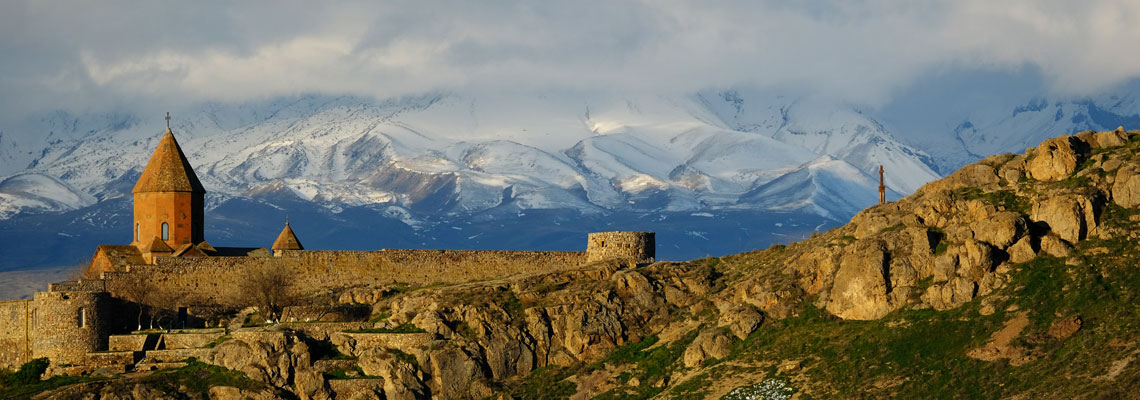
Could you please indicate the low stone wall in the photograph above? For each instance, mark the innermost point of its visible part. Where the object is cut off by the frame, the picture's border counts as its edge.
(349, 343)
(137, 342)
(323, 330)
(189, 340)
(15, 332)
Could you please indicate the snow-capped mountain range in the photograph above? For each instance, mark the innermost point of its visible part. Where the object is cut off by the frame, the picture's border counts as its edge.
(432, 163)
(451, 154)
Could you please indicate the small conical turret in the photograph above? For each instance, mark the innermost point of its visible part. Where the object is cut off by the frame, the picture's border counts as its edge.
(287, 240)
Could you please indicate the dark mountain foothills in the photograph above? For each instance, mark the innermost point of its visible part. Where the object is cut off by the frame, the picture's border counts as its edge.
(1015, 277)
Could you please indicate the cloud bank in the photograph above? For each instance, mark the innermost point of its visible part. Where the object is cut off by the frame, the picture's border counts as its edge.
(91, 55)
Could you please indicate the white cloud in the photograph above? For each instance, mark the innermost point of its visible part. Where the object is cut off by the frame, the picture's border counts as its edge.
(82, 55)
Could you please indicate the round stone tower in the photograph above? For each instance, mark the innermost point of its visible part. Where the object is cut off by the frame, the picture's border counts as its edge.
(640, 246)
(68, 325)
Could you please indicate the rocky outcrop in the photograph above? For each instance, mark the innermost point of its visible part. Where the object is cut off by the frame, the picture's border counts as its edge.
(277, 358)
(402, 378)
(709, 344)
(963, 232)
(1126, 188)
(1072, 217)
(862, 282)
(1057, 158)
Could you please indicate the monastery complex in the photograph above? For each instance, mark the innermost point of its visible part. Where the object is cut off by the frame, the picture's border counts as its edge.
(87, 324)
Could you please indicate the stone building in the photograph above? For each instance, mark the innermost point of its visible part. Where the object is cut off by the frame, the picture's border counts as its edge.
(72, 321)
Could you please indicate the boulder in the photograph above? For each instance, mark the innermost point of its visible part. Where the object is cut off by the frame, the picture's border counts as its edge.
(1126, 188)
(1054, 246)
(862, 283)
(1109, 138)
(1065, 327)
(979, 174)
(710, 343)
(1022, 251)
(452, 370)
(953, 293)
(277, 358)
(741, 319)
(636, 286)
(402, 380)
(1001, 230)
(1072, 217)
(1056, 158)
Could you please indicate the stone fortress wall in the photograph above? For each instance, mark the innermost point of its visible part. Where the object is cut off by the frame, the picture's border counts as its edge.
(73, 319)
(216, 279)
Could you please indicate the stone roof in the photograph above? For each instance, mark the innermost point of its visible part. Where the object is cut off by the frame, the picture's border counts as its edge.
(156, 246)
(287, 240)
(168, 170)
(121, 255)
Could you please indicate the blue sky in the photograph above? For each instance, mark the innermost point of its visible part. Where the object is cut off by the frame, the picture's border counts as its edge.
(88, 56)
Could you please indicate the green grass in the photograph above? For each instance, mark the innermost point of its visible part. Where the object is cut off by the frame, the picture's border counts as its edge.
(380, 317)
(198, 377)
(921, 354)
(1004, 198)
(893, 228)
(544, 383)
(26, 381)
(358, 373)
(650, 365)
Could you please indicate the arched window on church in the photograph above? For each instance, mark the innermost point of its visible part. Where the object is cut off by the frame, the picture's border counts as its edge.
(137, 232)
(165, 231)
(82, 317)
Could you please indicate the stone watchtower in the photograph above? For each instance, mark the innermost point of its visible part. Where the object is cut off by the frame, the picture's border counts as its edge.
(168, 201)
(640, 246)
(67, 325)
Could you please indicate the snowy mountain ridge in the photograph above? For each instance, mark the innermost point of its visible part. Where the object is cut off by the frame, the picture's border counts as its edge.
(453, 154)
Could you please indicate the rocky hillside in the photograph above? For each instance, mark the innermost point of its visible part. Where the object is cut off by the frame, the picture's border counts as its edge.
(1014, 277)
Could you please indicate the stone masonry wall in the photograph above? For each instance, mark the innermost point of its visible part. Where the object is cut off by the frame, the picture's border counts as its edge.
(15, 335)
(70, 324)
(215, 279)
(640, 246)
